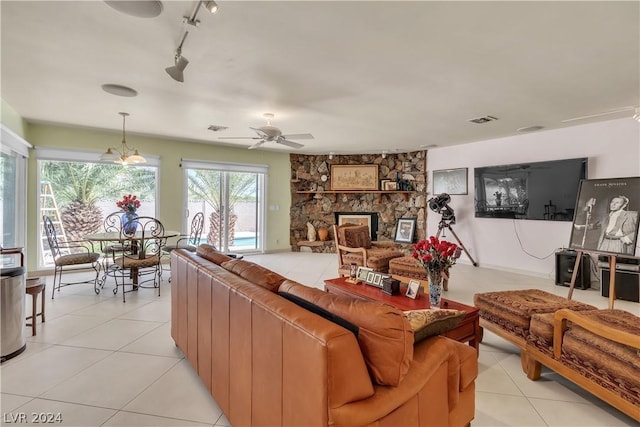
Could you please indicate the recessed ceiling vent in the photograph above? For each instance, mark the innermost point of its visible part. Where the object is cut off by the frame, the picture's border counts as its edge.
(217, 128)
(481, 120)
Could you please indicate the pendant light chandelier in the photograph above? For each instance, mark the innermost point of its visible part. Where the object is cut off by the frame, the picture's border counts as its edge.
(123, 155)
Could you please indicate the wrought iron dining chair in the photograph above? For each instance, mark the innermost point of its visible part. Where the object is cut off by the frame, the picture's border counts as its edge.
(112, 224)
(70, 254)
(189, 241)
(140, 256)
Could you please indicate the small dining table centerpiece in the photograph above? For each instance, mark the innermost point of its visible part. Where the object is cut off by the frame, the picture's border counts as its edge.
(436, 257)
(129, 205)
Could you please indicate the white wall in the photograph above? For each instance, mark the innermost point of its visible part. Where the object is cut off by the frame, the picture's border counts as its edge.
(613, 149)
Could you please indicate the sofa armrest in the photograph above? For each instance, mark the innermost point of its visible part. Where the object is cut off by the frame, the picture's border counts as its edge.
(561, 317)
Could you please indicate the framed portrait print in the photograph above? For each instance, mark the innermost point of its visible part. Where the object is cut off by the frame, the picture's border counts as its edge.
(450, 181)
(354, 177)
(405, 230)
(605, 218)
(390, 186)
(412, 289)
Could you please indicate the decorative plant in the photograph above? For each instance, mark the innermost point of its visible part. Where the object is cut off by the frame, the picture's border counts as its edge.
(498, 195)
(436, 255)
(129, 203)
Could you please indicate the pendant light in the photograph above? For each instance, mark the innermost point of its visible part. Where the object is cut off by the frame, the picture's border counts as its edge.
(124, 155)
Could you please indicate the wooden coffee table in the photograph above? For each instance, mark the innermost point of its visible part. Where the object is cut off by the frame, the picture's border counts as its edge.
(467, 331)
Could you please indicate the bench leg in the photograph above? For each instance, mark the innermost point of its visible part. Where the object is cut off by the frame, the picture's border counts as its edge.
(530, 366)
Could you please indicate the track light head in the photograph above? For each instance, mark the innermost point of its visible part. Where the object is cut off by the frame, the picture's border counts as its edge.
(211, 6)
(636, 116)
(176, 71)
(330, 155)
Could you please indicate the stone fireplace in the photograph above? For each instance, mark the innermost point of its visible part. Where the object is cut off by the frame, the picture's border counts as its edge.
(313, 201)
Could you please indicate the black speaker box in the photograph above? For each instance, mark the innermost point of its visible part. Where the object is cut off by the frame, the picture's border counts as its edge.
(565, 260)
(627, 284)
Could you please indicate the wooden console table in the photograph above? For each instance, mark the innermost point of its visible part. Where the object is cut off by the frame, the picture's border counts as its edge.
(467, 331)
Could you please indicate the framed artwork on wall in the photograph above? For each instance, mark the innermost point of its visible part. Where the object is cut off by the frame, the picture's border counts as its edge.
(405, 230)
(354, 177)
(606, 216)
(450, 181)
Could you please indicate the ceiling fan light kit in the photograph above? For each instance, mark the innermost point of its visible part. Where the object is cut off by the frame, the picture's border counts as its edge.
(125, 155)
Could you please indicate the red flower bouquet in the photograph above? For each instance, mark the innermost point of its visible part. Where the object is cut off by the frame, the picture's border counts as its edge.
(128, 203)
(436, 255)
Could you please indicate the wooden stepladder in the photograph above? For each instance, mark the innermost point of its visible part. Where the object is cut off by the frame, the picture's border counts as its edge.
(612, 277)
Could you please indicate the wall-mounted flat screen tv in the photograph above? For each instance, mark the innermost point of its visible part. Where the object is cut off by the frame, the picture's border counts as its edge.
(537, 190)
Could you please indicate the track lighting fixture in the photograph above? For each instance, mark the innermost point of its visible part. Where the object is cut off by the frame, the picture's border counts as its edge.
(211, 6)
(636, 116)
(123, 156)
(176, 71)
(330, 155)
(384, 154)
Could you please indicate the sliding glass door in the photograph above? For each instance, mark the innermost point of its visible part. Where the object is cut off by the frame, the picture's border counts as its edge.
(232, 202)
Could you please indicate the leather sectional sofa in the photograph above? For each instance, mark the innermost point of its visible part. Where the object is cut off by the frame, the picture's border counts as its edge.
(268, 360)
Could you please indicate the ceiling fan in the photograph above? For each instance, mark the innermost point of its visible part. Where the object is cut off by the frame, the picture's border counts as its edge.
(636, 116)
(269, 133)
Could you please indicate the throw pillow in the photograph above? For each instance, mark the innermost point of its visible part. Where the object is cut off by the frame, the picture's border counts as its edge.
(385, 336)
(211, 253)
(429, 322)
(354, 236)
(320, 312)
(254, 273)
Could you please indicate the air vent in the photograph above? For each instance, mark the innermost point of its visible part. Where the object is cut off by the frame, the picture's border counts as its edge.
(217, 128)
(481, 120)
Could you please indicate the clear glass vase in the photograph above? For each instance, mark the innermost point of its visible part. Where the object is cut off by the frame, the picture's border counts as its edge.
(435, 287)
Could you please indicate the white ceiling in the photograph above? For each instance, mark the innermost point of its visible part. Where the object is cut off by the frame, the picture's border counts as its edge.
(360, 76)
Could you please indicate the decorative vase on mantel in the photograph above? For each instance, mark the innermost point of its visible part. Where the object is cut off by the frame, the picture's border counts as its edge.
(435, 287)
(129, 222)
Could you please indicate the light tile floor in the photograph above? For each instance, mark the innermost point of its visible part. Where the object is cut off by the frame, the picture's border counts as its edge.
(100, 362)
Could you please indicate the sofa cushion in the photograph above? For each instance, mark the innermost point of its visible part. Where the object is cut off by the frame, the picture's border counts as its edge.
(212, 254)
(254, 273)
(385, 336)
(320, 312)
(430, 322)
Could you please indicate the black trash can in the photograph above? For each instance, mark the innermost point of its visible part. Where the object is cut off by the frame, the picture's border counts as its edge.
(12, 321)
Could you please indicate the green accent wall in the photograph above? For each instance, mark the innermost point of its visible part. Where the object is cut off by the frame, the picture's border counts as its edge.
(170, 175)
(11, 119)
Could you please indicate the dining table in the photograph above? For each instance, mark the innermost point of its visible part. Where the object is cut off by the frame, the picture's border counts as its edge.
(114, 236)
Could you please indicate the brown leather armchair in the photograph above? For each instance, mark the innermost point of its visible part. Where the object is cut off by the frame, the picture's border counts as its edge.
(354, 246)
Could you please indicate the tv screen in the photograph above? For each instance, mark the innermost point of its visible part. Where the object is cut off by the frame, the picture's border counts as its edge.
(539, 190)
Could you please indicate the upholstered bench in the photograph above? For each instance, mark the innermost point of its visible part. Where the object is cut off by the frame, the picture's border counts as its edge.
(597, 349)
(508, 313)
(408, 268)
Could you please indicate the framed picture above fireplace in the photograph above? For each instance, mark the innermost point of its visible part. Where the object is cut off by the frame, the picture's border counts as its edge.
(354, 177)
(361, 218)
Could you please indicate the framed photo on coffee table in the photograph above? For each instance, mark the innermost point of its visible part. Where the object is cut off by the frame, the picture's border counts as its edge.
(412, 289)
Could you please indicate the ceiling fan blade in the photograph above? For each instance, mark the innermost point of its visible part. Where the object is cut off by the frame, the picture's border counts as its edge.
(289, 143)
(619, 110)
(239, 137)
(257, 144)
(298, 136)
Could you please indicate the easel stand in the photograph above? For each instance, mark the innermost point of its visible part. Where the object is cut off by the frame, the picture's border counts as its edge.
(612, 277)
(444, 224)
